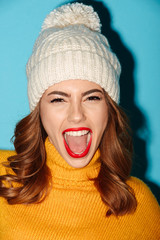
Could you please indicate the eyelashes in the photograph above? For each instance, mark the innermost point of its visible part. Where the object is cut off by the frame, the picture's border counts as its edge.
(57, 100)
(94, 98)
(90, 99)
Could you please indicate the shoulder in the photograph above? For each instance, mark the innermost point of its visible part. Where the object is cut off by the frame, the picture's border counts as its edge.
(4, 154)
(146, 201)
(139, 187)
(146, 219)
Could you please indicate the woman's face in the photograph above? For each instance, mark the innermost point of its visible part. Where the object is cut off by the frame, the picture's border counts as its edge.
(74, 114)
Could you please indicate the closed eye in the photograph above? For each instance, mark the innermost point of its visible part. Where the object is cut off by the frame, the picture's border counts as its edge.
(93, 98)
(57, 100)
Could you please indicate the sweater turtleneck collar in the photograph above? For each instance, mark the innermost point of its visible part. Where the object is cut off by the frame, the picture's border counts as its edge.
(63, 173)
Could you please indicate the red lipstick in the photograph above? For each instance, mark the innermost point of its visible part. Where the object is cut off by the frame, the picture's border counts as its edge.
(71, 153)
(77, 129)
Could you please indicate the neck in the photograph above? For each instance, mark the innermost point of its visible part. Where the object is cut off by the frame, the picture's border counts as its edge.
(62, 171)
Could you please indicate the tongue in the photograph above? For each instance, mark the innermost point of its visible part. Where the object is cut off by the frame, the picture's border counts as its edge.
(77, 144)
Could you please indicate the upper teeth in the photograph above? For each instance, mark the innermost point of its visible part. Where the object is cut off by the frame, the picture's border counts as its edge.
(77, 133)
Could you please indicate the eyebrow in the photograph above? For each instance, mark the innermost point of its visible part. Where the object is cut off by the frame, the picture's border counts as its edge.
(92, 91)
(83, 94)
(59, 93)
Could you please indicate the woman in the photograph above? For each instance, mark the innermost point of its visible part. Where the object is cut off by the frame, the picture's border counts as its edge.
(69, 175)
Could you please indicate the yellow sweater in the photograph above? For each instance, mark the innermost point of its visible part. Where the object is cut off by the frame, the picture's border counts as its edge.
(74, 209)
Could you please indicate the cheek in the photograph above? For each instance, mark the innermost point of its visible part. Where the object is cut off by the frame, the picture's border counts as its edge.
(101, 123)
(52, 120)
(101, 117)
(46, 118)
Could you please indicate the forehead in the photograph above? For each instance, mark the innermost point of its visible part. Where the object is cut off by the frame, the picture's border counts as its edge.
(74, 85)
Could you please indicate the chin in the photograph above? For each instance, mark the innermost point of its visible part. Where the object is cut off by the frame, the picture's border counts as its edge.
(78, 162)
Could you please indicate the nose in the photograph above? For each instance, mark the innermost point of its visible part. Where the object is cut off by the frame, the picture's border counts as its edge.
(76, 113)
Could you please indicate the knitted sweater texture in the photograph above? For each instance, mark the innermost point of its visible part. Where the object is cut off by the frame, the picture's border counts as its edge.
(74, 209)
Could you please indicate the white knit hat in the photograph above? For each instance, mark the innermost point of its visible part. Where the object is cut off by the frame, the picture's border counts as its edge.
(70, 46)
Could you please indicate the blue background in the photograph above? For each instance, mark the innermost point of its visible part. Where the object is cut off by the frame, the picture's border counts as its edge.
(133, 30)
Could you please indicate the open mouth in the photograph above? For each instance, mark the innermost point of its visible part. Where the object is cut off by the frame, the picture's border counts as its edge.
(77, 141)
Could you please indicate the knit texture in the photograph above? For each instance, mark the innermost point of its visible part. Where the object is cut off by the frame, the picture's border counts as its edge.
(74, 209)
(70, 46)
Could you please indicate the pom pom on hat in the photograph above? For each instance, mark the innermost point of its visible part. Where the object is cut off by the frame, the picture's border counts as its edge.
(71, 14)
(71, 46)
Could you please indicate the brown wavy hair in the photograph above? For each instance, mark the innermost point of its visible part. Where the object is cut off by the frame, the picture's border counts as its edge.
(116, 150)
(33, 178)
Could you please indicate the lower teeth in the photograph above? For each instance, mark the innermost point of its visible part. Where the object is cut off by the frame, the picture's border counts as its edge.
(80, 152)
